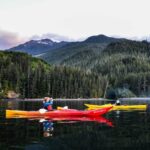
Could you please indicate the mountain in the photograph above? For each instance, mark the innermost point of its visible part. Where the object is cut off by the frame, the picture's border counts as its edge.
(36, 47)
(74, 52)
(101, 39)
(58, 52)
(70, 50)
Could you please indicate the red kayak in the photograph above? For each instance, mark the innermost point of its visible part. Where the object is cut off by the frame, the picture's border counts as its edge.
(57, 113)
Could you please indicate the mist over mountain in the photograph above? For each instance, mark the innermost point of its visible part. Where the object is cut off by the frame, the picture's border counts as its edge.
(36, 47)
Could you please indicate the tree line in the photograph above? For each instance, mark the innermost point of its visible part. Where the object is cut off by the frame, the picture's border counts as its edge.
(33, 78)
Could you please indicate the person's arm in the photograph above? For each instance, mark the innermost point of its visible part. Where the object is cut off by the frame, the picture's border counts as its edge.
(51, 102)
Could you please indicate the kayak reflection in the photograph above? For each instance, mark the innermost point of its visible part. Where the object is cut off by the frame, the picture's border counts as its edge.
(84, 119)
(48, 123)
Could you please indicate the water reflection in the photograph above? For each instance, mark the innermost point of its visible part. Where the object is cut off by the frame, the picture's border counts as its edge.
(47, 127)
(131, 130)
(48, 124)
(29, 132)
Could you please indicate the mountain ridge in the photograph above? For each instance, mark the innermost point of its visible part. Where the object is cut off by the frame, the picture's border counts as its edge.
(95, 44)
(36, 47)
(101, 38)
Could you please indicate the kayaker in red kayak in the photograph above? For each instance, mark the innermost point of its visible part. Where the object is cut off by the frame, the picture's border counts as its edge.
(47, 103)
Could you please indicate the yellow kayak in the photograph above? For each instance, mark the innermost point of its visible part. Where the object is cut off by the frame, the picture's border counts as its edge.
(117, 107)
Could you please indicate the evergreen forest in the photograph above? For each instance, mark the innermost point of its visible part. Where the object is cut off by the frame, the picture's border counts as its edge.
(112, 70)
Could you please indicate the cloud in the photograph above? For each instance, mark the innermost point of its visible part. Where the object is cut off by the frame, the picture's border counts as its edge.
(10, 39)
(53, 37)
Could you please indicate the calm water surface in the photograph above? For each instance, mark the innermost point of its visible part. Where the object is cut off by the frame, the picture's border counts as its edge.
(131, 130)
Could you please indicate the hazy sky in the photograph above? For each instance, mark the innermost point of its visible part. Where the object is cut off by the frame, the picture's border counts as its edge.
(21, 20)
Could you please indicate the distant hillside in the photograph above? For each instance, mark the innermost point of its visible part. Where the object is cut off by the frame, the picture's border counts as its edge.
(126, 64)
(90, 59)
(128, 46)
(124, 52)
(36, 47)
(72, 53)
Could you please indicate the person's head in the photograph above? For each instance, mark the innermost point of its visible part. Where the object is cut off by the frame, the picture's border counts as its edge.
(46, 99)
(117, 102)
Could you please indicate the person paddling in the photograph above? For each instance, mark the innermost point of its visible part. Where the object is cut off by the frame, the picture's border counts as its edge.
(47, 103)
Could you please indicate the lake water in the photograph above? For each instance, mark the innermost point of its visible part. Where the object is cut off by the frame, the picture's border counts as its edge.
(130, 130)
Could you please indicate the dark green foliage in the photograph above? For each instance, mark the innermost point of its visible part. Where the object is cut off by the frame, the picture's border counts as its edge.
(128, 46)
(79, 54)
(32, 77)
(127, 63)
(119, 93)
(73, 50)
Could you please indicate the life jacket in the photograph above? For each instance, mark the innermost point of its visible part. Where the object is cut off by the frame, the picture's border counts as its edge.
(48, 105)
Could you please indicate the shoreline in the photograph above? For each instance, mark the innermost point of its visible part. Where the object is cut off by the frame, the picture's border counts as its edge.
(59, 99)
(137, 99)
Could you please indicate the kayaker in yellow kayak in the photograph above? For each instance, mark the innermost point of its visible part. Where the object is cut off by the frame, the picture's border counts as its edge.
(47, 103)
